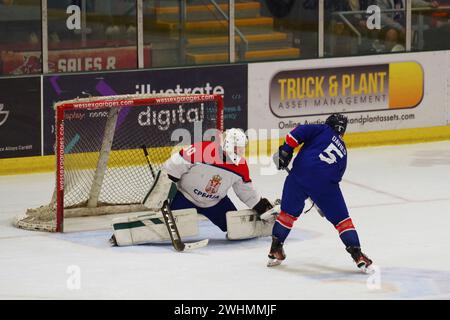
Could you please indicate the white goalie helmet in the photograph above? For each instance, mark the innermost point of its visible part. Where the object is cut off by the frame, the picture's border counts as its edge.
(234, 142)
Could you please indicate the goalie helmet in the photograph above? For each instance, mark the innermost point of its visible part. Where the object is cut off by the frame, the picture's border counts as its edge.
(234, 142)
(337, 122)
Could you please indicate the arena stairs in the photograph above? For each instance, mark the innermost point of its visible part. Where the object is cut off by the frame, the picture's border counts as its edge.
(206, 32)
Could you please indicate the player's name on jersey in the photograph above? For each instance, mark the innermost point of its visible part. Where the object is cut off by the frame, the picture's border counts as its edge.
(205, 195)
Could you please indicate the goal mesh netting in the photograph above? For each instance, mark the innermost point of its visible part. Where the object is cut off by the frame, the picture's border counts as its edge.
(102, 167)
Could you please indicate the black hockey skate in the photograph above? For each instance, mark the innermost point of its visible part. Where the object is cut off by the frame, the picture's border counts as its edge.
(276, 254)
(362, 261)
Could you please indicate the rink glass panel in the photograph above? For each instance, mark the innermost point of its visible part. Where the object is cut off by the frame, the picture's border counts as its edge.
(431, 28)
(20, 37)
(263, 32)
(175, 45)
(351, 30)
(103, 38)
(299, 20)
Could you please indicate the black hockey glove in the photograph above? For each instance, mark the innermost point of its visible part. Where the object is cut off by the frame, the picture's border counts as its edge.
(262, 206)
(282, 158)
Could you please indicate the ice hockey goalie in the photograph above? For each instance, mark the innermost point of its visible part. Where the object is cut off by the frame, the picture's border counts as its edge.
(203, 173)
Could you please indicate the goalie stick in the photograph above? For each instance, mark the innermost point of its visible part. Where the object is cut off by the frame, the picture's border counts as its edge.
(177, 243)
(170, 223)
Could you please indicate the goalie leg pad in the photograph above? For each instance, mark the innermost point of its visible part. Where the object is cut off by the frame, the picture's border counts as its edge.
(161, 190)
(150, 227)
(244, 224)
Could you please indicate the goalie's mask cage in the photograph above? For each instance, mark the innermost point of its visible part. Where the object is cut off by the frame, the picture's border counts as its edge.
(101, 167)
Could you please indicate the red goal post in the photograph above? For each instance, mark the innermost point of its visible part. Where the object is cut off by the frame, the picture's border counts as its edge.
(98, 140)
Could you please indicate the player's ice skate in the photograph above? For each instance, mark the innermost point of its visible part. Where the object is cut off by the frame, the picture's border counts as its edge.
(362, 261)
(276, 254)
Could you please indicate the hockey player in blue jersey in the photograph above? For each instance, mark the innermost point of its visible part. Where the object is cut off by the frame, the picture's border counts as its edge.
(316, 172)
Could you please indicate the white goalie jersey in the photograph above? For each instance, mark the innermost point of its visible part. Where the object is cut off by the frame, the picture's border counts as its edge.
(205, 177)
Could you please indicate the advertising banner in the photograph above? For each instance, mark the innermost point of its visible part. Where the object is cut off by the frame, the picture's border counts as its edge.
(20, 117)
(118, 58)
(346, 89)
(229, 81)
(382, 92)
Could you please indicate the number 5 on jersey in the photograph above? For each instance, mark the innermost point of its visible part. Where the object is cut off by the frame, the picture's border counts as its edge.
(329, 157)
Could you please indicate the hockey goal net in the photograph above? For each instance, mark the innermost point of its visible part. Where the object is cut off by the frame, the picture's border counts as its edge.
(109, 149)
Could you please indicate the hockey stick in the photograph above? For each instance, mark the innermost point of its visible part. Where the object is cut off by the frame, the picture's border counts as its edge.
(170, 223)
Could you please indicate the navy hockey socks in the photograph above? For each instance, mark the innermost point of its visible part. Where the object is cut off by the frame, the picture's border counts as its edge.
(283, 225)
(347, 233)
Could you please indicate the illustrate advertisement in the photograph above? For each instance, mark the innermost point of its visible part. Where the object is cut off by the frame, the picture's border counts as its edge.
(391, 92)
(229, 81)
(21, 63)
(20, 117)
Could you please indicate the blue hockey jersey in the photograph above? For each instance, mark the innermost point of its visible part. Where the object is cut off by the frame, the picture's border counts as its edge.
(323, 156)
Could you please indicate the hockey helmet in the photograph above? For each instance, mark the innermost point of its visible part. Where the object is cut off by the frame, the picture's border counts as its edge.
(234, 141)
(337, 122)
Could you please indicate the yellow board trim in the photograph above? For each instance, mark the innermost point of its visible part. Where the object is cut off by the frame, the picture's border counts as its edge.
(80, 161)
(13, 166)
(367, 139)
(118, 158)
(39, 164)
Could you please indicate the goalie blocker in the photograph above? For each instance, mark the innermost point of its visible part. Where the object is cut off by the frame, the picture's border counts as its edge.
(150, 228)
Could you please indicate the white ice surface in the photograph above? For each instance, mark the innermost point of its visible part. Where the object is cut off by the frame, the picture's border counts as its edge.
(398, 197)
